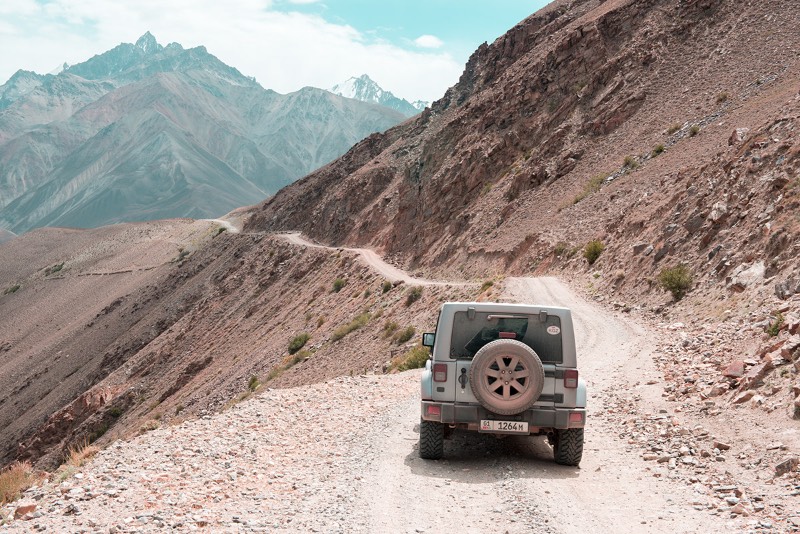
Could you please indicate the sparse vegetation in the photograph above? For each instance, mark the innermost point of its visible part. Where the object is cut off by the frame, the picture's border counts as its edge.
(592, 250)
(722, 98)
(253, 383)
(404, 335)
(560, 248)
(658, 149)
(677, 280)
(182, 253)
(220, 230)
(54, 269)
(115, 412)
(320, 321)
(486, 285)
(298, 342)
(592, 186)
(79, 454)
(15, 479)
(389, 328)
(386, 287)
(630, 162)
(357, 322)
(367, 293)
(288, 363)
(694, 130)
(673, 128)
(775, 326)
(413, 359)
(149, 425)
(486, 188)
(413, 295)
(338, 284)
(12, 289)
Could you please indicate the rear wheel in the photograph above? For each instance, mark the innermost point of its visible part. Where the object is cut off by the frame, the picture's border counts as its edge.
(568, 446)
(431, 440)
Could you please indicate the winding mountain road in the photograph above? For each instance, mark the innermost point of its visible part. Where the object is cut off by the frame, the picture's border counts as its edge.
(486, 484)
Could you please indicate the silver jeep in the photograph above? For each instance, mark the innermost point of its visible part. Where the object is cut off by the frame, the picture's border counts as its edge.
(503, 369)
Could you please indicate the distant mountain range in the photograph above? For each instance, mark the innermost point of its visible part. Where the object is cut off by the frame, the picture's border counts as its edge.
(146, 131)
(365, 89)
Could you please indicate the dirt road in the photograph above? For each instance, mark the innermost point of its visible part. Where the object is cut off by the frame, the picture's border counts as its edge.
(512, 485)
(341, 456)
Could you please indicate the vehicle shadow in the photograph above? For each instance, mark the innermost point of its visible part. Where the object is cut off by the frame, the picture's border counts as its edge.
(479, 458)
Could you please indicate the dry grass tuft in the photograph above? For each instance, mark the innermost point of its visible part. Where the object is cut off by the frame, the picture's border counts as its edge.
(79, 454)
(15, 479)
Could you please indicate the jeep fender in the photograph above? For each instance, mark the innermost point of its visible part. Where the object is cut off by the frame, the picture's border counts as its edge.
(426, 383)
(580, 398)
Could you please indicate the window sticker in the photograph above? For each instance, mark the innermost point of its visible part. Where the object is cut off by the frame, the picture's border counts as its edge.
(553, 330)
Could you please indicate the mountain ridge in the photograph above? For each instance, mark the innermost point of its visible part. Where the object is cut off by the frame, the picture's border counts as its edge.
(365, 89)
(48, 121)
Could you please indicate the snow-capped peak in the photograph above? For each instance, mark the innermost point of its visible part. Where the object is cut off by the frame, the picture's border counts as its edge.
(365, 89)
(148, 43)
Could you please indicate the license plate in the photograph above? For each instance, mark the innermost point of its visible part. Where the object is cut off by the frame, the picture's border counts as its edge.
(513, 427)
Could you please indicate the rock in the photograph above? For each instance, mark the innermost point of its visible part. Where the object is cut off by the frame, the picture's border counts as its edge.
(718, 389)
(732, 500)
(738, 135)
(24, 508)
(734, 370)
(786, 466)
(744, 397)
(746, 275)
(787, 288)
(719, 211)
(649, 456)
(756, 374)
(640, 247)
(739, 509)
(789, 351)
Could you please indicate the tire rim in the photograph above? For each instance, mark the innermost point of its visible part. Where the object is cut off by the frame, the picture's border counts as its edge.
(507, 377)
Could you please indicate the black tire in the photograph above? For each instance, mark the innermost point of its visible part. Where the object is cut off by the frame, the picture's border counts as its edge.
(431, 440)
(568, 446)
(525, 378)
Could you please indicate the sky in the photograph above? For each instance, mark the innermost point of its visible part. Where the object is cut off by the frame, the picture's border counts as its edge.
(413, 48)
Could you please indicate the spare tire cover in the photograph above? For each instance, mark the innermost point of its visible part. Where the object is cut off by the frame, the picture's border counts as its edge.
(506, 376)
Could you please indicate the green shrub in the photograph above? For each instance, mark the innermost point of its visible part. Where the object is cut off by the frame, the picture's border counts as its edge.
(775, 326)
(15, 479)
(357, 322)
(722, 98)
(592, 250)
(630, 162)
(389, 328)
(338, 284)
(677, 280)
(673, 128)
(387, 286)
(298, 342)
(413, 359)
(694, 130)
(413, 295)
(12, 289)
(404, 335)
(253, 383)
(486, 285)
(592, 186)
(560, 249)
(658, 150)
(54, 269)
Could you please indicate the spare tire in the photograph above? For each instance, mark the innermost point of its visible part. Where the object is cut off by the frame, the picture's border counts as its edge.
(506, 376)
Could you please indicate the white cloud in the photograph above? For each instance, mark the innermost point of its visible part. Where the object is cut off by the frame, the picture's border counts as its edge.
(428, 41)
(300, 2)
(284, 51)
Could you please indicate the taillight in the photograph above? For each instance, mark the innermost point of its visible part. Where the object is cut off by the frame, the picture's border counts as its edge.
(576, 417)
(571, 378)
(440, 372)
(433, 409)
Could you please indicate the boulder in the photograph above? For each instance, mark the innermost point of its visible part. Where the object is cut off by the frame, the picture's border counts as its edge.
(734, 370)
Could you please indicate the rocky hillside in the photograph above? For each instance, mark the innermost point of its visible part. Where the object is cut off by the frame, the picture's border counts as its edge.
(664, 130)
(145, 132)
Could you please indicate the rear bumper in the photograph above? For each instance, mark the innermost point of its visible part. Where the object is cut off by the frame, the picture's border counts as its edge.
(470, 415)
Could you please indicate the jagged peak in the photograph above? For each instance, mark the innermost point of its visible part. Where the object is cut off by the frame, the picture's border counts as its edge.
(148, 44)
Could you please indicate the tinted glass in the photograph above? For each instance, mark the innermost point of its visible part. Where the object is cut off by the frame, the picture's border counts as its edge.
(469, 335)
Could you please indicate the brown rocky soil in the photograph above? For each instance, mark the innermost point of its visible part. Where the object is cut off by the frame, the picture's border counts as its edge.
(153, 324)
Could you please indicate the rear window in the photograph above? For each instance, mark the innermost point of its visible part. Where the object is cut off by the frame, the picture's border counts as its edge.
(470, 334)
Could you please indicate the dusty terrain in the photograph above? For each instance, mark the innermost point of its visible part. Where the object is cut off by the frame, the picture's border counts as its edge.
(695, 402)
